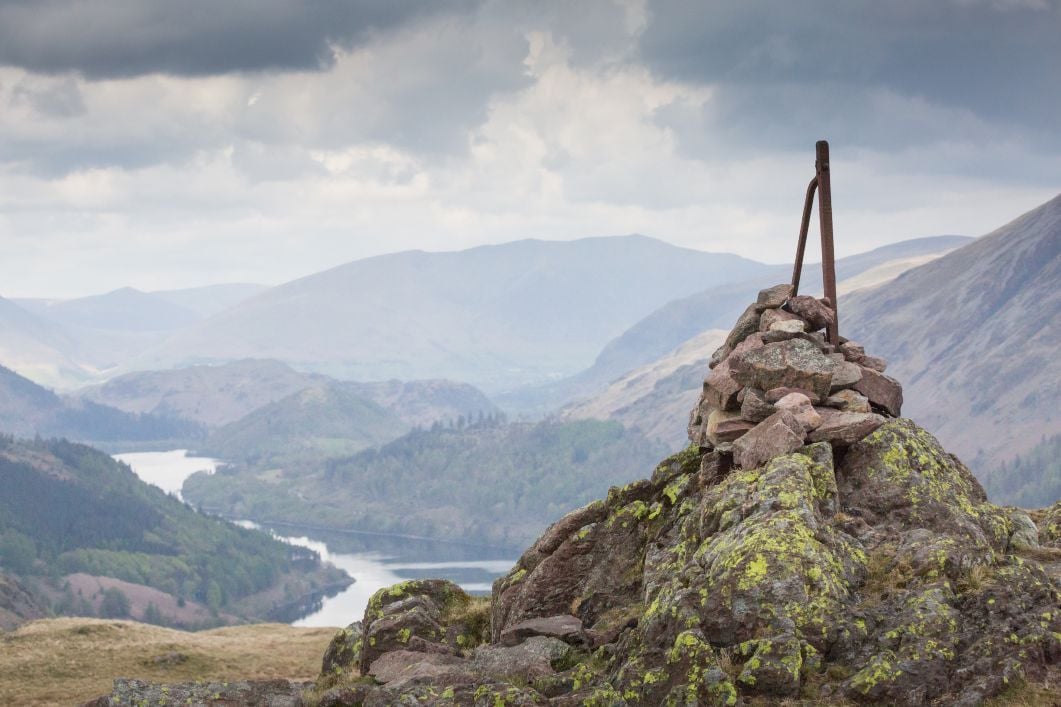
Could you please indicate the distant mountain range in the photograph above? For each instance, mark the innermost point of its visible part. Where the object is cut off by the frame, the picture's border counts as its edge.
(974, 337)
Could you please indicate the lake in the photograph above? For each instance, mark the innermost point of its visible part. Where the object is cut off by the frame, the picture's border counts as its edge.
(374, 560)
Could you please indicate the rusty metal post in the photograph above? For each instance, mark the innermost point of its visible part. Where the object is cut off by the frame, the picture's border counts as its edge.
(808, 204)
(825, 215)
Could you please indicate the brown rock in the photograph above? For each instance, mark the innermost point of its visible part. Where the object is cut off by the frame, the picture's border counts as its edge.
(848, 401)
(845, 375)
(778, 434)
(563, 627)
(773, 297)
(875, 363)
(794, 363)
(845, 428)
(800, 406)
(852, 351)
(883, 391)
(411, 664)
(725, 426)
(775, 394)
(748, 323)
(719, 355)
(720, 390)
(754, 407)
(812, 311)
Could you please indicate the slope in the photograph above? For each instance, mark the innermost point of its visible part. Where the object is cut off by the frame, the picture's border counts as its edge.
(975, 335)
(495, 316)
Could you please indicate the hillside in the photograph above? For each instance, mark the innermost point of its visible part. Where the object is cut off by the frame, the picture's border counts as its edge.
(27, 409)
(316, 422)
(717, 307)
(125, 309)
(67, 508)
(36, 661)
(975, 335)
(491, 483)
(495, 316)
(38, 348)
(210, 299)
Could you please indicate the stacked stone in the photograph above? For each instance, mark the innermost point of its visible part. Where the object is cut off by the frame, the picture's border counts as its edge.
(777, 384)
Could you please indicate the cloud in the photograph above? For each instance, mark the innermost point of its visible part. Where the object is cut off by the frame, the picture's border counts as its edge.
(123, 38)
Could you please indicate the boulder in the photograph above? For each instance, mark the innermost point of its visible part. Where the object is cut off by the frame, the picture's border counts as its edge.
(848, 401)
(775, 394)
(564, 627)
(800, 407)
(845, 375)
(535, 657)
(748, 323)
(845, 428)
(720, 389)
(795, 363)
(778, 434)
(874, 362)
(813, 311)
(882, 391)
(343, 653)
(754, 406)
(791, 326)
(403, 664)
(773, 297)
(775, 316)
(723, 426)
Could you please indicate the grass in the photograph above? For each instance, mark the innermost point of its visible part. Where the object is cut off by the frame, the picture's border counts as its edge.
(71, 660)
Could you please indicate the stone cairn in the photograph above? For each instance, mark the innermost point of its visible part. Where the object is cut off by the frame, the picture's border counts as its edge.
(777, 384)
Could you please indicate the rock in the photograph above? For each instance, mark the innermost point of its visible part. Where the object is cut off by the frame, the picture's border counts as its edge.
(343, 652)
(754, 407)
(882, 391)
(852, 351)
(265, 693)
(775, 394)
(534, 657)
(747, 324)
(1025, 535)
(725, 426)
(812, 311)
(417, 608)
(773, 297)
(791, 326)
(778, 434)
(845, 375)
(794, 363)
(848, 401)
(563, 627)
(719, 355)
(774, 667)
(875, 363)
(774, 316)
(402, 664)
(720, 389)
(800, 407)
(845, 428)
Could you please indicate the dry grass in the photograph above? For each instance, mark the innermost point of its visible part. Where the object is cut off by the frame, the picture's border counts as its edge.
(70, 660)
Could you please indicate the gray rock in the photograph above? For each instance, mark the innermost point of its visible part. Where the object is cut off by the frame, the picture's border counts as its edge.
(773, 297)
(402, 664)
(790, 326)
(778, 434)
(845, 375)
(849, 401)
(1025, 535)
(795, 363)
(533, 658)
(723, 426)
(773, 316)
(563, 627)
(775, 394)
(343, 652)
(800, 407)
(748, 323)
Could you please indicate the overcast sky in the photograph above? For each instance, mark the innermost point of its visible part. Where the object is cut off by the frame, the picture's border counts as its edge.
(164, 144)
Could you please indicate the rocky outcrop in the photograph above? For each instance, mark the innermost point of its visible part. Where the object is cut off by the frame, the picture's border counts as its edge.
(823, 550)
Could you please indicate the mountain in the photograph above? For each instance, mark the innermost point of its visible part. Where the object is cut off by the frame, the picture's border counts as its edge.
(27, 409)
(652, 398)
(211, 395)
(38, 348)
(495, 316)
(717, 307)
(69, 509)
(487, 483)
(125, 309)
(319, 421)
(209, 300)
(975, 335)
(216, 396)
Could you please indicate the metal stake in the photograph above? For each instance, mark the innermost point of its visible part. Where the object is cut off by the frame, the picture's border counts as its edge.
(822, 185)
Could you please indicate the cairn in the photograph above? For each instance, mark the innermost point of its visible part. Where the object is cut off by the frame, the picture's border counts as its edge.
(777, 384)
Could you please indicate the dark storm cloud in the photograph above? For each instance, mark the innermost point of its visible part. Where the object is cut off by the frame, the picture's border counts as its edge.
(794, 65)
(124, 38)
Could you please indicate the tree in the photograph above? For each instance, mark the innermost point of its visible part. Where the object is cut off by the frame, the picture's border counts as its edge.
(115, 604)
(17, 552)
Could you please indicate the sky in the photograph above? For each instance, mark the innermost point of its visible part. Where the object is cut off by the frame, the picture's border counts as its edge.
(160, 144)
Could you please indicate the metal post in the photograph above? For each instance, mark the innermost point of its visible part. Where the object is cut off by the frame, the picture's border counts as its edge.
(808, 204)
(825, 214)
